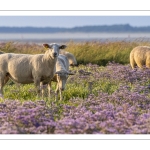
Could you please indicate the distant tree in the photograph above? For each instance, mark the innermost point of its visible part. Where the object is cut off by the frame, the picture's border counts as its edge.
(103, 28)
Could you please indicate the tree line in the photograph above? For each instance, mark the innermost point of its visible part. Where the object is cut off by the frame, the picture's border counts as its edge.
(101, 28)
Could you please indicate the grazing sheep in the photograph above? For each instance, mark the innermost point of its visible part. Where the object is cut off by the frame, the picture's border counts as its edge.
(61, 76)
(71, 58)
(140, 56)
(25, 68)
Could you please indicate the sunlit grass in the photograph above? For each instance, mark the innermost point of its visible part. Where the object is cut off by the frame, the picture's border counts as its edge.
(111, 99)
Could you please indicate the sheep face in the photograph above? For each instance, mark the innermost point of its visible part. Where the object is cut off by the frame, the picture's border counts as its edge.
(54, 49)
(62, 77)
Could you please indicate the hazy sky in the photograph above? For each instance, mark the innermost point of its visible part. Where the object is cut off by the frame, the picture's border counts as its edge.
(72, 21)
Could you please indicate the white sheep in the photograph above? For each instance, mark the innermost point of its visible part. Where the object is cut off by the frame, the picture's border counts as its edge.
(140, 56)
(61, 76)
(26, 69)
(71, 58)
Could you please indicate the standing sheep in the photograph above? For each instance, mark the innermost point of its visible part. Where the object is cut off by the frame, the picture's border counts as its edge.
(25, 68)
(61, 76)
(140, 56)
(71, 58)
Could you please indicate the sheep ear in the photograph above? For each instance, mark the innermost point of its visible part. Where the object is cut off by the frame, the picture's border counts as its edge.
(46, 46)
(62, 46)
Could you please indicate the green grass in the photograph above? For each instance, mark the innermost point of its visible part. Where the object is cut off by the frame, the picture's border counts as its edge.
(86, 52)
(77, 86)
(102, 52)
(99, 53)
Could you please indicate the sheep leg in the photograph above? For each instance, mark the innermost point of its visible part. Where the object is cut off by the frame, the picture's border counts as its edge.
(3, 81)
(49, 89)
(6, 79)
(56, 92)
(132, 63)
(140, 66)
(42, 89)
(147, 64)
(1, 87)
(37, 85)
(60, 93)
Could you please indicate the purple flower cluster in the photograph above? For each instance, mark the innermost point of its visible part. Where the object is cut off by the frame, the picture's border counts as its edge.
(27, 118)
(123, 111)
(106, 114)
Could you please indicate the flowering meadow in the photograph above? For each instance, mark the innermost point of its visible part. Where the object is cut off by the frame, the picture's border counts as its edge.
(98, 100)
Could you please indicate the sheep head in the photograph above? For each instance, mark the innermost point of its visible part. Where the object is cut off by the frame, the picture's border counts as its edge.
(54, 49)
(62, 77)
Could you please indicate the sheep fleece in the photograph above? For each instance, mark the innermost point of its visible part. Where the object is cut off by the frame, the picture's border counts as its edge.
(140, 56)
(24, 68)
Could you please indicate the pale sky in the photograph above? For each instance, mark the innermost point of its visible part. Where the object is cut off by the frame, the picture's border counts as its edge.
(72, 21)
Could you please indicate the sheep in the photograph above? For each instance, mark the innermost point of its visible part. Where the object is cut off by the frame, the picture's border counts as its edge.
(26, 69)
(61, 76)
(140, 56)
(71, 58)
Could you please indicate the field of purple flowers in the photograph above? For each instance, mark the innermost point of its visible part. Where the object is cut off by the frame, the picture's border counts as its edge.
(117, 101)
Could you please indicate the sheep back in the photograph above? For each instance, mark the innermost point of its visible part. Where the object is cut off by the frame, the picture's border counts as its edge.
(70, 56)
(24, 68)
(140, 56)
